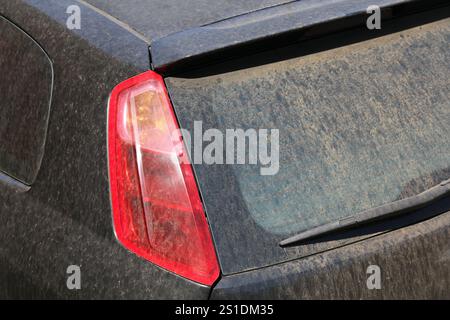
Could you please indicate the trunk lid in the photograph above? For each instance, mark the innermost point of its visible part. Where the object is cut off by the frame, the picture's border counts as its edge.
(360, 125)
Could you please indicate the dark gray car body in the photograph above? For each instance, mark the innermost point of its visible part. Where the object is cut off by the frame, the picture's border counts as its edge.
(65, 217)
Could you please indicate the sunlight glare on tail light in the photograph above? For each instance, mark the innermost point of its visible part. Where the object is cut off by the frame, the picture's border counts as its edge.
(157, 210)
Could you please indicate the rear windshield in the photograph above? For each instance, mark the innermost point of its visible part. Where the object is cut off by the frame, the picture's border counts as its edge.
(359, 126)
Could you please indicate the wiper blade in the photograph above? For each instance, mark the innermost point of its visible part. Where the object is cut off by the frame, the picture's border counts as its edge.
(385, 211)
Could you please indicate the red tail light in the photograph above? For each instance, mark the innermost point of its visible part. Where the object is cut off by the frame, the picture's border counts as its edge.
(157, 209)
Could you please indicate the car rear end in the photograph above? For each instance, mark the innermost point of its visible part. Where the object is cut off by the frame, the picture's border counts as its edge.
(175, 167)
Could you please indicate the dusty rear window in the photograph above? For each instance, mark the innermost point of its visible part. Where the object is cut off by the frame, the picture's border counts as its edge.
(359, 126)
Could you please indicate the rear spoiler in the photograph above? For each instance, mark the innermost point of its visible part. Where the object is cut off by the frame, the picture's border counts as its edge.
(270, 28)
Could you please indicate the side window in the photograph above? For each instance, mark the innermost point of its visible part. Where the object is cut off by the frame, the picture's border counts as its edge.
(26, 78)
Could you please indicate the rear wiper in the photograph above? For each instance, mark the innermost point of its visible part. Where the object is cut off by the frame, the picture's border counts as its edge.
(385, 211)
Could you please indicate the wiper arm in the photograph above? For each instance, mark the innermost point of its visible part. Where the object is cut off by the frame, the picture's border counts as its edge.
(375, 214)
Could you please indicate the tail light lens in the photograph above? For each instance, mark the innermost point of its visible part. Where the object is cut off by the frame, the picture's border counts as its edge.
(157, 209)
